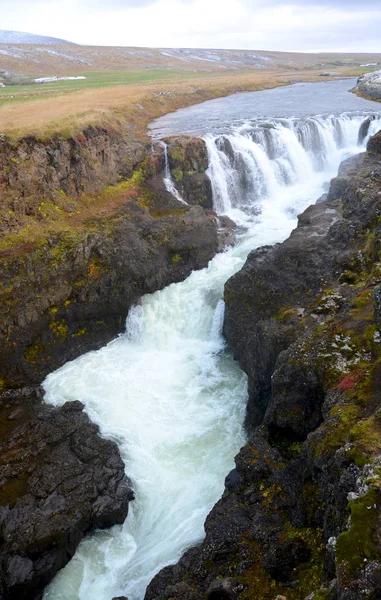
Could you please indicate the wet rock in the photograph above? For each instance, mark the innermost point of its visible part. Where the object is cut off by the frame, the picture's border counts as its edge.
(296, 399)
(283, 557)
(59, 479)
(188, 161)
(364, 129)
(374, 144)
(223, 589)
(338, 187)
(226, 232)
(322, 198)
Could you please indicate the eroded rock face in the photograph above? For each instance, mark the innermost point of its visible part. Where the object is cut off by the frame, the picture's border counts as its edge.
(188, 161)
(32, 170)
(59, 479)
(303, 319)
(369, 85)
(374, 144)
(71, 293)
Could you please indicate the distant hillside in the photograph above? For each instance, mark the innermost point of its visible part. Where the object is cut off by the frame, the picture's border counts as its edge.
(20, 37)
(63, 58)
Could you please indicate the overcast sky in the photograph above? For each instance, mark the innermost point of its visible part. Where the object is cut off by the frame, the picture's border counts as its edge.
(295, 25)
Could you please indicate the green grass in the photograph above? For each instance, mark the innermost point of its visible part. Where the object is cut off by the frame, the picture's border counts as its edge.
(22, 92)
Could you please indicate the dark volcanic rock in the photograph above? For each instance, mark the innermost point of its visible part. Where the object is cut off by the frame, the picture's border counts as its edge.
(59, 479)
(374, 144)
(364, 129)
(303, 319)
(188, 161)
(259, 326)
(71, 293)
(223, 589)
(32, 170)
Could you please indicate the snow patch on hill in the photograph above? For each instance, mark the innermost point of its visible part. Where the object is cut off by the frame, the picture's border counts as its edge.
(20, 37)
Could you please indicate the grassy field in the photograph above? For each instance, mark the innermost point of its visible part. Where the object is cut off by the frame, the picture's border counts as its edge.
(34, 91)
(68, 109)
(129, 87)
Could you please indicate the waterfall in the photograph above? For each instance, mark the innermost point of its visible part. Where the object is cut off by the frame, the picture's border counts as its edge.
(168, 391)
(168, 181)
(259, 160)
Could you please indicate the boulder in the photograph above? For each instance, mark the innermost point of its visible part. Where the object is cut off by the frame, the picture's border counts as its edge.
(59, 480)
(374, 144)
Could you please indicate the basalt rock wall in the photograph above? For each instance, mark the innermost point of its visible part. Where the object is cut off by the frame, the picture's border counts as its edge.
(300, 515)
(33, 169)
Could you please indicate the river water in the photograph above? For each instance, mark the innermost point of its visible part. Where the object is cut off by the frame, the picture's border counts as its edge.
(168, 391)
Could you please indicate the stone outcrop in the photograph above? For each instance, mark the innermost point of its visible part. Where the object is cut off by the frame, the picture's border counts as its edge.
(67, 291)
(300, 515)
(188, 161)
(369, 85)
(33, 170)
(59, 479)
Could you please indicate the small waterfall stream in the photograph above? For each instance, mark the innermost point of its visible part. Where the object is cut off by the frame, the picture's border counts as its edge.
(168, 391)
(168, 181)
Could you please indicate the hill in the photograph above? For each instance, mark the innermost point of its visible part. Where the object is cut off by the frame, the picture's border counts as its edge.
(20, 37)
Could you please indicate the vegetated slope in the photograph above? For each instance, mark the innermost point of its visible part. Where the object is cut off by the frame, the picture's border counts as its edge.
(20, 37)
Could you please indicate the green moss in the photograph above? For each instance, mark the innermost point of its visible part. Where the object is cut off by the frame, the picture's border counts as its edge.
(363, 299)
(357, 546)
(94, 270)
(176, 154)
(334, 431)
(59, 328)
(366, 439)
(259, 584)
(176, 258)
(80, 332)
(34, 352)
(348, 277)
(177, 174)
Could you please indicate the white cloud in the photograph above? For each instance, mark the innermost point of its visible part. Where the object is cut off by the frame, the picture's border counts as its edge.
(290, 25)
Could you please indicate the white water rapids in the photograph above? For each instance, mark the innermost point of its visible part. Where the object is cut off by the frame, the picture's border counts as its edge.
(168, 391)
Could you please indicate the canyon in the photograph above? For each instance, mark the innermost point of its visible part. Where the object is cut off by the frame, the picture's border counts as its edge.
(301, 317)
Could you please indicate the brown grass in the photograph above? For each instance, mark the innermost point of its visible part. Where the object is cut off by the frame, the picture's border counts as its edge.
(72, 112)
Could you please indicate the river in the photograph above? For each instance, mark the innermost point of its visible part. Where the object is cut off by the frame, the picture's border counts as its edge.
(168, 391)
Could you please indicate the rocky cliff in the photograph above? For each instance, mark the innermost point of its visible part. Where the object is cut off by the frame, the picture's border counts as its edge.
(369, 85)
(59, 479)
(300, 515)
(73, 265)
(188, 161)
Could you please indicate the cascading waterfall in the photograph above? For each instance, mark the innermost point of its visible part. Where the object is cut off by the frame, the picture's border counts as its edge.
(259, 160)
(168, 391)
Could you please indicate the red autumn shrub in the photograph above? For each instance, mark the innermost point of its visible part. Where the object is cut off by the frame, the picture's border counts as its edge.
(348, 383)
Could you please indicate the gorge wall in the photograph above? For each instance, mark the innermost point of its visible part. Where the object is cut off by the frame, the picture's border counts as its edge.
(77, 250)
(72, 265)
(300, 515)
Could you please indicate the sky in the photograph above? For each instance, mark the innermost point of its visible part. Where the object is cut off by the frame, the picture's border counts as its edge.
(288, 25)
